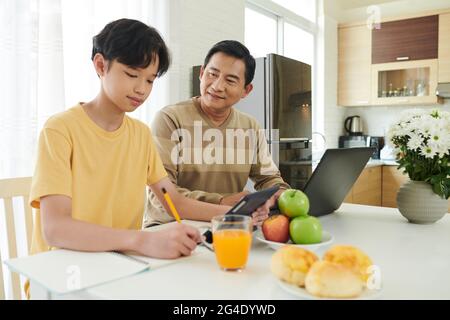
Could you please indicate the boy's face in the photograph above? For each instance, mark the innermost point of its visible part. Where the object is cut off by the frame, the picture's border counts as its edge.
(222, 81)
(125, 86)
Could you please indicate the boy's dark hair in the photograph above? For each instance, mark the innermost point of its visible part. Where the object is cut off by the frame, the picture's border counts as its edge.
(238, 50)
(133, 43)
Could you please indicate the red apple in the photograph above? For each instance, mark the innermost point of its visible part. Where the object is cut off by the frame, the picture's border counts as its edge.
(276, 228)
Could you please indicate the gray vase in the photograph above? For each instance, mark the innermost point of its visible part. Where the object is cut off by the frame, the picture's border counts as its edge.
(419, 204)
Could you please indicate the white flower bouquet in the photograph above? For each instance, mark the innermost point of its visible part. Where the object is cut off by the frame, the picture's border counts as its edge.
(421, 141)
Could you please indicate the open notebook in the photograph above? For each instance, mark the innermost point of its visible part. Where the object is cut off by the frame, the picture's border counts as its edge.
(62, 271)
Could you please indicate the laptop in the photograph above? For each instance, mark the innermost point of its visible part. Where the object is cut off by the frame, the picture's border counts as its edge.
(333, 178)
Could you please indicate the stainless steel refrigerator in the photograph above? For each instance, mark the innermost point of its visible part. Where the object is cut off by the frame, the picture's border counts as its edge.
(281, 102)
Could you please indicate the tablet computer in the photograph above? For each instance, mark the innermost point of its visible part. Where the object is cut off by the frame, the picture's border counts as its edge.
(247, 205)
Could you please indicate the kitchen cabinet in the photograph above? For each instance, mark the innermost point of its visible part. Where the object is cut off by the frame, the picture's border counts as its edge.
(408, 39)
(349, 197)
(367, 188)
(444, 48)
(398, 64)
(354, 66)
(393, 179)
(378, 186)
(406, 82)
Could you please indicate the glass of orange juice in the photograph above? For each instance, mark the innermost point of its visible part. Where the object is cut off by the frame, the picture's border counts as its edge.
(232, 239)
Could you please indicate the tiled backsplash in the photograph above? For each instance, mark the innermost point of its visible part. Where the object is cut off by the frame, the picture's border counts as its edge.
(377, 119)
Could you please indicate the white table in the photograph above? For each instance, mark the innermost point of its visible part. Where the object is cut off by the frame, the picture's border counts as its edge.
(414, 261)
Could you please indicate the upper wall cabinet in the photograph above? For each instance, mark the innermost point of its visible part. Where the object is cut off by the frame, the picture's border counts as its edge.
(354, 74)
(444, 48)
(409, 39)
(405, 82)
(398, 64)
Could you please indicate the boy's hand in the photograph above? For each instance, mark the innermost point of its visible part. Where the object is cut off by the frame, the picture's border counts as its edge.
(176, 241)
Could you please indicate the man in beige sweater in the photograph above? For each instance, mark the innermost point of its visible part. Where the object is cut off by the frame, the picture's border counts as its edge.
(209, 148)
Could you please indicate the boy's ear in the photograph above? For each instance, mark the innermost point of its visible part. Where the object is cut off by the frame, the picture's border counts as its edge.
(100, 64)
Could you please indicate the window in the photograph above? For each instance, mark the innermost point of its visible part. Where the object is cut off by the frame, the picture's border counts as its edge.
(257, 24)
(45, 52)
(298, 44)
(279, 26)
(303, 8)
(289, 28)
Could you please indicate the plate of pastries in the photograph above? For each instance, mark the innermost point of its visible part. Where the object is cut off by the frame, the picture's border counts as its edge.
(342, 273)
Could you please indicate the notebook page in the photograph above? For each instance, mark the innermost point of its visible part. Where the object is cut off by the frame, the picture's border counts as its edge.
(154, 263)
(62, 271)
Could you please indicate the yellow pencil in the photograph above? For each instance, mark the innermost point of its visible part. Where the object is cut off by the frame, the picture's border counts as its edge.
(171, 206)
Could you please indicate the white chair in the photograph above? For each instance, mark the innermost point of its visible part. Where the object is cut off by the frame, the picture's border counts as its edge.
(9, 189)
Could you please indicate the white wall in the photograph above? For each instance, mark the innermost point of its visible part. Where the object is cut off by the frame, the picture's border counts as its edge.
(327, 70)
(377, 119)
(195, 26)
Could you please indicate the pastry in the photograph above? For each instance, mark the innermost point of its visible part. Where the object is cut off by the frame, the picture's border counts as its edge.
(350, 257)
(331, 280)
(291, 264)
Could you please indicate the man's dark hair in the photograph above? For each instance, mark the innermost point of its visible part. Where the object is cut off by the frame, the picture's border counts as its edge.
(132, 43)
(238, 50)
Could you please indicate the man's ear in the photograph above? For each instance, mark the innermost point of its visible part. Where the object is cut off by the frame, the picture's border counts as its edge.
(248, 88)
(100, 64)
(202, 69)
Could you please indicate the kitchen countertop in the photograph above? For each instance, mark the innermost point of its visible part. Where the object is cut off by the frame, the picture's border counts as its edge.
(377, 163)
(372, 163)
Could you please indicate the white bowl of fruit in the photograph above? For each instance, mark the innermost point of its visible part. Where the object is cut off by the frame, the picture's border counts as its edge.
(293, 225)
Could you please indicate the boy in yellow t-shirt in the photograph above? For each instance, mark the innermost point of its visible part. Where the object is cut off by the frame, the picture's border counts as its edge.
(94, 161)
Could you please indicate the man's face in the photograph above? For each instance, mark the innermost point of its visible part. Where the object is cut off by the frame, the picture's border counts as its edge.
(129, 87)
(222, 82)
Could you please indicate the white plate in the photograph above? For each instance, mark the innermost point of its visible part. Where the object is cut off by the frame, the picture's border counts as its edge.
(327, 238)
(302, 293)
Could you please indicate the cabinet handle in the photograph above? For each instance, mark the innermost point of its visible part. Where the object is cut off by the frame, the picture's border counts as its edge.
(362, 101)
(402, 58)
(403, 100)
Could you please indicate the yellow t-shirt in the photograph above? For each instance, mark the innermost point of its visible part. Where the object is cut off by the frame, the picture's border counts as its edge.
(105, 173)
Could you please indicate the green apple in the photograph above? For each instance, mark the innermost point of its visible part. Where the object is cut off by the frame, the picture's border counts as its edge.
(293, 203)
(305, 230)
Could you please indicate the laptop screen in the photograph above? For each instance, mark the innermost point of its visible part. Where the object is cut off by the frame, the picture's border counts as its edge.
(333, 178)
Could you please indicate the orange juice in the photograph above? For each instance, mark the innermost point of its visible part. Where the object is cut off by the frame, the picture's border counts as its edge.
(232, 247)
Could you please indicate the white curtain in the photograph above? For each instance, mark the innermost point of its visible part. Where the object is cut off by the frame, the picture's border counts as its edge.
(45, 66)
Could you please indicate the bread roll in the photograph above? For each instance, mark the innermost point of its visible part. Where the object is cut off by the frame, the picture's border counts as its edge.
(331, 280)
(352, 258)
(291, 264)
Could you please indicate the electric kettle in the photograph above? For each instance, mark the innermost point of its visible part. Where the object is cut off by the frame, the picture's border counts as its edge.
(353, 125)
